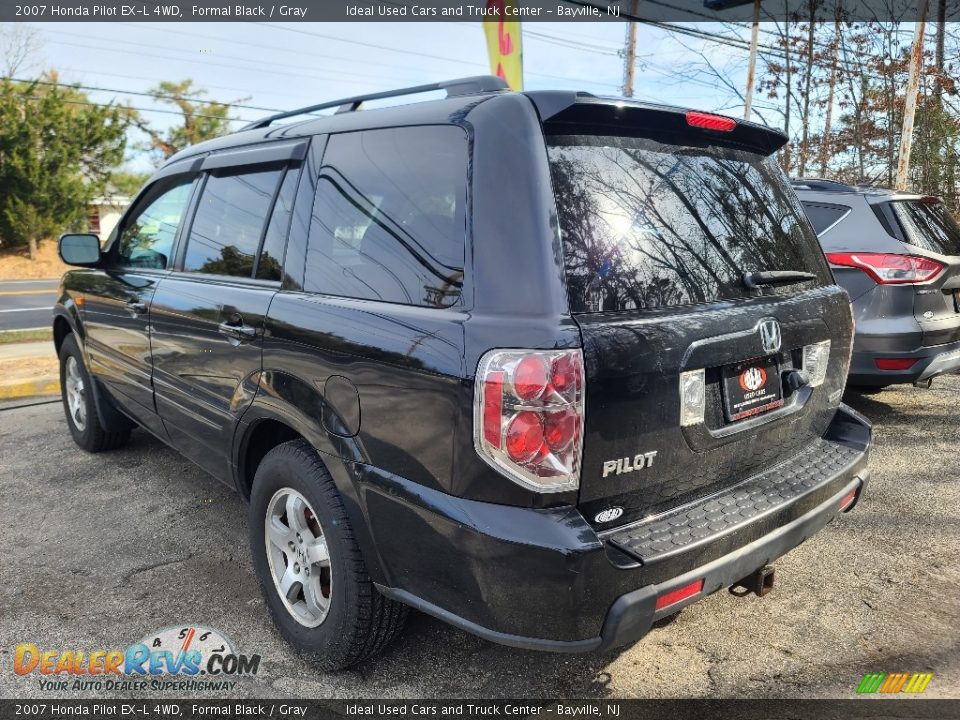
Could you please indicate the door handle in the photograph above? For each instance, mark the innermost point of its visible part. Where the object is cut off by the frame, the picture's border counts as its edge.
(237, 331)
(136, 307)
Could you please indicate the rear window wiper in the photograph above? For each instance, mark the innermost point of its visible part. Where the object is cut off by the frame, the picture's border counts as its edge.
(776, 277)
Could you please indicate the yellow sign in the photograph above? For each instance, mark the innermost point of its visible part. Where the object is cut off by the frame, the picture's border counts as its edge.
(503, 43)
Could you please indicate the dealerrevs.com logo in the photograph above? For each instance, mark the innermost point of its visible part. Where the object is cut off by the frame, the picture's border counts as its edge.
(186, 658)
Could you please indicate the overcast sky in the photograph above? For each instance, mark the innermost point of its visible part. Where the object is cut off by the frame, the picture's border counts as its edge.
(281, 66)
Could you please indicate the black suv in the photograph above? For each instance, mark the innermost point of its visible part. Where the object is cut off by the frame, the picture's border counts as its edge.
(898, 256)
(544, 365)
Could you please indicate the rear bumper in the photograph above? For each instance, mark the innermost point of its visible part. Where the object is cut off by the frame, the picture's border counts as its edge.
(543, 579)
(932, 360)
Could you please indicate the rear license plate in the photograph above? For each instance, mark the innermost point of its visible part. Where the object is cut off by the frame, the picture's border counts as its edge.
(751, 388)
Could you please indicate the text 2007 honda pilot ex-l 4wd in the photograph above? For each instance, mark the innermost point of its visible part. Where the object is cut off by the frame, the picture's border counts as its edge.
(546, 366)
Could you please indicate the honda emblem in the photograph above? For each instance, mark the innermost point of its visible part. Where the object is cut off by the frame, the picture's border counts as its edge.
(770, 338)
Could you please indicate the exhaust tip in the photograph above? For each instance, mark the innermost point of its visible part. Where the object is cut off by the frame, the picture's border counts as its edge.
(924, 384)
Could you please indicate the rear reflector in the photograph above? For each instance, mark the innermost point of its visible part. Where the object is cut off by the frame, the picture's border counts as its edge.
(889, 269)
(895, 363)
(710, 122)
(681, 593)
(848, 499)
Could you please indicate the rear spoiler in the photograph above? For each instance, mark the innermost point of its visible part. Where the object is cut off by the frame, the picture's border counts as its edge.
(569, 113)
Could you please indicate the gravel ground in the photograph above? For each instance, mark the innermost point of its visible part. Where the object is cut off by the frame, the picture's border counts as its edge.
(99, 551)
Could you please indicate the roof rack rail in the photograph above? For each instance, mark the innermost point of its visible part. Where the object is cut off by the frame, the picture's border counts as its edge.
(821, 184)
(461, 86)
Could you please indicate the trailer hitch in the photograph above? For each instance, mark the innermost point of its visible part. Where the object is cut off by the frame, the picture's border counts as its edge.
(759, 582)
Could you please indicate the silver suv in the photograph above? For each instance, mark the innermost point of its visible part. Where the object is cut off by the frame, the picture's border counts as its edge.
(898, 256)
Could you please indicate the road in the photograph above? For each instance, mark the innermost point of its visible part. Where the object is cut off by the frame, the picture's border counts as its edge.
(26, 303)
(102, 550)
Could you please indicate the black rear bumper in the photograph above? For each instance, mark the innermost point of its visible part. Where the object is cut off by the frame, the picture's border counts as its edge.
(543, 579)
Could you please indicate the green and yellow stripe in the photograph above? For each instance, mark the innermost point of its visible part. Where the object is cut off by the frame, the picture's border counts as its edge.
(894, 683)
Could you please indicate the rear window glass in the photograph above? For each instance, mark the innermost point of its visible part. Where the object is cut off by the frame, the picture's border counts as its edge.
(647, 224)
(824, 217)
(927, 225)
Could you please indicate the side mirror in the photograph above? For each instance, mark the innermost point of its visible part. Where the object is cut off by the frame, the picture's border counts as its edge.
(81, 249)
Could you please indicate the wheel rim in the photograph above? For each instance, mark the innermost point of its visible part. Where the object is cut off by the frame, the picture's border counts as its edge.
(298, 557)
(76, 394)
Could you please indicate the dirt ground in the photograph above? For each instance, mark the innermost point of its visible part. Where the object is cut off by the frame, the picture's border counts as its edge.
(102, 550)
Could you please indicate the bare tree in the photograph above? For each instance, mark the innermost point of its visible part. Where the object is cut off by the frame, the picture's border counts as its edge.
(19, 47)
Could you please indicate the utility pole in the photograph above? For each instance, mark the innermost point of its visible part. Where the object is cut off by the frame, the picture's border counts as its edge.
(752, 65)
(910, 105)
(630, 56)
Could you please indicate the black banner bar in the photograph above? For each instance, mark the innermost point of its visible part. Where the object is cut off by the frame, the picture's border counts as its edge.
(602, 709)
(456, 10)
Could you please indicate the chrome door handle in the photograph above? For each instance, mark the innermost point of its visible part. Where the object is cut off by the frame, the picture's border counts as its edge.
(237, 331)
(136, 307)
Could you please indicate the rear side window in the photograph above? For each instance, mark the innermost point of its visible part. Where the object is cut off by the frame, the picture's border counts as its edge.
(648, 224)
(229, 222)
(389, 218)
(927, 225)
(823, 217)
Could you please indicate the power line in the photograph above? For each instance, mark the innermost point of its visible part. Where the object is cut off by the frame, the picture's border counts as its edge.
(90, 88)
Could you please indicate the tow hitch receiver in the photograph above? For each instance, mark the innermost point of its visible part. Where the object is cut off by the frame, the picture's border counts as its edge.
(759, 582)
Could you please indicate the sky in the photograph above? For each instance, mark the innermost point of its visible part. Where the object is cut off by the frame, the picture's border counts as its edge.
(277, 66)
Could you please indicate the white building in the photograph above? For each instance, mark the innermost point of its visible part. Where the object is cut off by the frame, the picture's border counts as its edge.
(105, 213)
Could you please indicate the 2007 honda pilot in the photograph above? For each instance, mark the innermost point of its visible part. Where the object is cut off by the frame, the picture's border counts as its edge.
(546, 366)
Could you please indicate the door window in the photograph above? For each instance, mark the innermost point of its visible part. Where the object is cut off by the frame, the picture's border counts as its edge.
(148, 234)
(229, 222)
(271, 255)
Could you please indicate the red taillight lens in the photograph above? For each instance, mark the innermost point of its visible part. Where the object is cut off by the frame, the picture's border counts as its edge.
(530, 378)
(895, 363)
(524, 436)
(889, 269)
(564, 373)
(528, 416)
(492, 408)
(710, 122)
(681, 593)
(560, 428)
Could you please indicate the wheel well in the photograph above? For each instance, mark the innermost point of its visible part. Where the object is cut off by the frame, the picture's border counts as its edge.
(61, 328)
(263, 437)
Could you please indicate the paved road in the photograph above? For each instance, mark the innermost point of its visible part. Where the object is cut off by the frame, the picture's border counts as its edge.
(26, 303)
(99, 551)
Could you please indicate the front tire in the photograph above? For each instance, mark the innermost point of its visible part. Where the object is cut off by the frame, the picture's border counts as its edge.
(78, 403)
(309, 567)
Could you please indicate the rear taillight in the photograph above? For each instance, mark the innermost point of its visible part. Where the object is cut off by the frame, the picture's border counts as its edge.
(710, 122)
(889, 269)
(816, 360)
(528, 416)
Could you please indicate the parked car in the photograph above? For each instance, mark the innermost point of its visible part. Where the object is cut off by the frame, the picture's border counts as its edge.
(546, 366)
(898, 256)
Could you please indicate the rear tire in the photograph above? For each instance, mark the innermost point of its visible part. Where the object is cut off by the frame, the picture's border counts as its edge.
(309, 567)
(78, 403)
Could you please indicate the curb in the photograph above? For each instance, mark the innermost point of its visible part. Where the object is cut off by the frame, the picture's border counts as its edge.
(49, 385)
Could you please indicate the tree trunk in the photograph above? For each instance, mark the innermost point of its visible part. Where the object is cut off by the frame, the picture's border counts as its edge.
(807, 89)
(828, 120)
(787, 160)
(32, 247)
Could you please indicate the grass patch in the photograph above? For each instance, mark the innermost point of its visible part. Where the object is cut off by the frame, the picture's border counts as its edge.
(20, 336)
